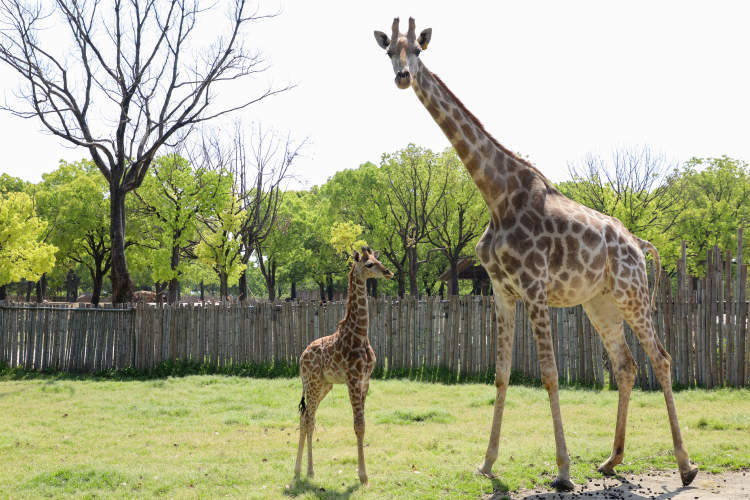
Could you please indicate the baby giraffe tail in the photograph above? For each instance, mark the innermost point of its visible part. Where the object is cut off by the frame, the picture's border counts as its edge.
(302, 406)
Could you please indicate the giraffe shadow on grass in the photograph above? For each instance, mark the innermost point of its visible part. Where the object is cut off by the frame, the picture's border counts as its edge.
(303, 485)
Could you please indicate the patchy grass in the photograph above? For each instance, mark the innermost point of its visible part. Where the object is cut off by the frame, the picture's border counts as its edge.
(208, 436)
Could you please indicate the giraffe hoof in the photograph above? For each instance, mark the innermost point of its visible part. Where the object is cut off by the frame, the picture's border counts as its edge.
(563, 484)
(688, 477)
(486, 473)
(606, 470)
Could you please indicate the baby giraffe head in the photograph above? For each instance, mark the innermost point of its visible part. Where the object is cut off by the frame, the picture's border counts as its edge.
(403, 51)
(367, 265)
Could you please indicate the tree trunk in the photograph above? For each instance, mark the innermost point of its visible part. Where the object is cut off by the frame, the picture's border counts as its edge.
(41, 288)
(29, 288)
(97, 277)
(271, 280)
(293, 292)
(243, 285)
(372, 287)
(3, 293)
(174, 284)
(203, 289)
(160, 287)
(329, 280)
(122, 285)
(223, 286)
(453, 278)
(442, 290)
(413, 266)
(401, 285)
(69, 297)
(322, 289)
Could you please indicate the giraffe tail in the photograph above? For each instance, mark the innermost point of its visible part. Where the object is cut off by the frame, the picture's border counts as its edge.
(302, 407)
(647, 246)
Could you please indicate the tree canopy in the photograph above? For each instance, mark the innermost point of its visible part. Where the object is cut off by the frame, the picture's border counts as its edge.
(22, 253)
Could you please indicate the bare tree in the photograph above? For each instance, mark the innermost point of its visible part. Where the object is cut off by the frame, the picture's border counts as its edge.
(129, 81)
(635, 187)
(260, 169)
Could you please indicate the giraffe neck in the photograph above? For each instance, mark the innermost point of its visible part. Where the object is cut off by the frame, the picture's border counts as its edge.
(494, 169)
(356, 320)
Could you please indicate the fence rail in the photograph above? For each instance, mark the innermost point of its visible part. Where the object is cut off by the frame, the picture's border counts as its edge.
(703, 323)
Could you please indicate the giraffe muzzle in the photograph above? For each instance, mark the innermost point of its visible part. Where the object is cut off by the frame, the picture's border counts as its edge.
(403, 79)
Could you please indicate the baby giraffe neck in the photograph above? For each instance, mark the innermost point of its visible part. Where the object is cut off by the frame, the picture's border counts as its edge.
(356, 319)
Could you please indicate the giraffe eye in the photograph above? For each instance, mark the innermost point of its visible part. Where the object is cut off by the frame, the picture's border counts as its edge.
(389, 53)
(417, 52)
(369, 264)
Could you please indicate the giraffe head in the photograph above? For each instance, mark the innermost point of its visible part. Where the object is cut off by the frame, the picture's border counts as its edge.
(403, 51)
(367, 265)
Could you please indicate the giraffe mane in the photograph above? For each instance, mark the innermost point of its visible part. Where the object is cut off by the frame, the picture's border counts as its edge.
(548, 184)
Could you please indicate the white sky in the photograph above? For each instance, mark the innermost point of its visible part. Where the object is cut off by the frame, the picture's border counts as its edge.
(550, 80)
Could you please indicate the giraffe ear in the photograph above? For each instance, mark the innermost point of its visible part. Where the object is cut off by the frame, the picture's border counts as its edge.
(377, 253)
(424, 38)
(355, 256)
(382, 39)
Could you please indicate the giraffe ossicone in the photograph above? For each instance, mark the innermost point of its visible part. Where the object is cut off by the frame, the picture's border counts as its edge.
(345, 357)
(546, 250)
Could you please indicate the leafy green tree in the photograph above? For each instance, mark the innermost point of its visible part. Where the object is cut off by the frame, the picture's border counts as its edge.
(298, 246)
(220, 245)
(10, 184)
(635, 186)
(358, 196)
(718, 194)
(460, 217)
(175, 194)
(73, 199)
(22, 253)
(413, 192)
(274, 250)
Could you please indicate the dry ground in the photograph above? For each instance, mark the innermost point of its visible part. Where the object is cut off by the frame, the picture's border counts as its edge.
(732, 485)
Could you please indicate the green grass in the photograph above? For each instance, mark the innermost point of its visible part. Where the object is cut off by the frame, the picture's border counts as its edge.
(210, 436)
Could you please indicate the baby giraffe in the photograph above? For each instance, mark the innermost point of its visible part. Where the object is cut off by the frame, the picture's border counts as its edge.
(342, 358)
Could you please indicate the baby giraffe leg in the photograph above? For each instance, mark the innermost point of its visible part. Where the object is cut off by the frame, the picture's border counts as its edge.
(357, 395)
(314, 394)
(302, 435)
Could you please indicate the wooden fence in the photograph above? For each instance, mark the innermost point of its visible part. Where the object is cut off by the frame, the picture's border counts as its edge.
(702, 323)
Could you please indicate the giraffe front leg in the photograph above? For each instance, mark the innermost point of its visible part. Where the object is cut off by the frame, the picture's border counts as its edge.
(506, 315)
(539, 319)
(357, 395)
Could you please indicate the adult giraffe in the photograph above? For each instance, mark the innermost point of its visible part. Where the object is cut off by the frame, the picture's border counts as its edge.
(546, 250)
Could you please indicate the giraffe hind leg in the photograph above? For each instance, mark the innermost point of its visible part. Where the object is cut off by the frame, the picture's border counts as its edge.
(607, 319)
(302, 436)
(313, 396)
(639, 319)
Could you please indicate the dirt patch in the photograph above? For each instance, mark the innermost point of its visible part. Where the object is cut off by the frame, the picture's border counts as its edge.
(660, 485)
